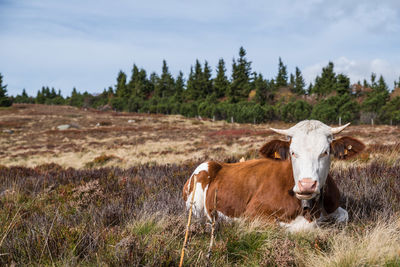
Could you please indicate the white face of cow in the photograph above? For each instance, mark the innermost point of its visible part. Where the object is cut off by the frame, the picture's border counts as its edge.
(310, 156)
(310, 161)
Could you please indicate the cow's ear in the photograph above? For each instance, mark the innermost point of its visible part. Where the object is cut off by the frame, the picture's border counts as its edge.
(275, 149)
(346, 147)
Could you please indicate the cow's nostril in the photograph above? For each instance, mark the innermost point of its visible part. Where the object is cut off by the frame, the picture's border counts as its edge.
(307, 186)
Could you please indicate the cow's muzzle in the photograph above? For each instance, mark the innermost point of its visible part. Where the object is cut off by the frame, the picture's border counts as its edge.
(307, 188)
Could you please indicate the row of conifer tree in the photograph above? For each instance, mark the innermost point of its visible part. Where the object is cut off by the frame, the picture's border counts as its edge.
(245, 96)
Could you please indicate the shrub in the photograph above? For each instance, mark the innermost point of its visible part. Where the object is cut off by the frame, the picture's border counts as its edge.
(296, 111)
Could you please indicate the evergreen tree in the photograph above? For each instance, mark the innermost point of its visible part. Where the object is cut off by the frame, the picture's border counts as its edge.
(330, 109)
(24, 94)
(41, 96)
(53, 93)
(325, 84)
(5, 101)
(310, 89)
(390, 112)
(153, 80)
(262, 89)
(165, 84)
(296, 111)
(299, 83)
(24, 98)
(281, 78)
(378, 97)
(342, 84)
(134, 80)
(139, 86)
(179, 87)
(195, 84)
(240, 86)
(76, 98)
(207, 86)
(121, 89)
(220, 83)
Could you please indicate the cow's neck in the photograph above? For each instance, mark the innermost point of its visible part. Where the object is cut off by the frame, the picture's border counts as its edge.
(313, 207)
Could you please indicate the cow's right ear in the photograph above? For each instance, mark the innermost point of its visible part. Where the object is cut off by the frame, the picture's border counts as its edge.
(275, 149)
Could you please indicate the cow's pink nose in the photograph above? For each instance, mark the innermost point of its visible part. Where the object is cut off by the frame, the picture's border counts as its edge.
(307, 186)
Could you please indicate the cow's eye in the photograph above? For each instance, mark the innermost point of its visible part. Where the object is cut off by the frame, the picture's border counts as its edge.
(326, 153)
(294, 154)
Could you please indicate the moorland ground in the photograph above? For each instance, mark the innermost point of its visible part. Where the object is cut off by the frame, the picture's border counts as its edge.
(107, 191)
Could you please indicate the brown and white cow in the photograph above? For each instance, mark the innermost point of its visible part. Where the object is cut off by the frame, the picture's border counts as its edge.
(290, 184)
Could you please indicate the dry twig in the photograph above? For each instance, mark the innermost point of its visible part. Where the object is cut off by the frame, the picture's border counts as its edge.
(188, 224)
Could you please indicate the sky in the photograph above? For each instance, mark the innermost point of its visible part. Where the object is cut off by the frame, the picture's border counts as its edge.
(84, 44)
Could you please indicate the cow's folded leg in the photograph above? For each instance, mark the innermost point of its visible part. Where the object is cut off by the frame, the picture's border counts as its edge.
(340, 215)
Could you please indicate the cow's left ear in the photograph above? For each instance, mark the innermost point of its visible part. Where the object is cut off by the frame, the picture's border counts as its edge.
(275, 149)
(346, 147)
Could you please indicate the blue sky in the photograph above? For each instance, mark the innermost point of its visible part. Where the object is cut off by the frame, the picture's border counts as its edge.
(84, 44)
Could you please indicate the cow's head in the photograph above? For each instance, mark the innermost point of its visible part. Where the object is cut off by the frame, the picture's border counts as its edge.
(309, 148)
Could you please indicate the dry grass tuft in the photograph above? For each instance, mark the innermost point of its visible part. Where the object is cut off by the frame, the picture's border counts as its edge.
(378, 245)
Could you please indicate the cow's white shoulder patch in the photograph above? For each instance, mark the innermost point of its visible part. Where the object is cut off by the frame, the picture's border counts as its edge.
(201, 167)
(199, 201)
(299, 224)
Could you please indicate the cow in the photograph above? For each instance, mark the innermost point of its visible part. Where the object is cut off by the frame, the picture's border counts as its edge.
(290, 184)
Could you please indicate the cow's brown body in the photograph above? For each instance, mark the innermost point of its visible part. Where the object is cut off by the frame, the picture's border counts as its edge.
(257, 188)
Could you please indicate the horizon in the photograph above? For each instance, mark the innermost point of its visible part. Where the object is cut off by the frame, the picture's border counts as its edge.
(84, 45)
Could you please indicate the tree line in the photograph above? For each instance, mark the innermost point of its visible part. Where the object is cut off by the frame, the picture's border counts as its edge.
(245, 96)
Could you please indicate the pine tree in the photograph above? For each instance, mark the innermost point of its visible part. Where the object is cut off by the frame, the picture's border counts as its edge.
(378, 97)
(220, 83)
(240, 86)
(325, 84)
(179, 87)
(121, 88)
(281, 78)
(299, 83)
(165, 84)
(5, 101)
(131, 86)
(24, 94)
(310, 89)
(139, 86)
(24, 98)
(53, 93)
(342, 84)
(41, 97)
(207, 86)
(195, 84)
(262, 89)
(76, 98)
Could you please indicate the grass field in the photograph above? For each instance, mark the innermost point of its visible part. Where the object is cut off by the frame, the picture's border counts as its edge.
(110, 194)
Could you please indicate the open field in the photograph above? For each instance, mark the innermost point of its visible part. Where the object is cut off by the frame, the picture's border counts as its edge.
(132, 139)
(110, 195)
